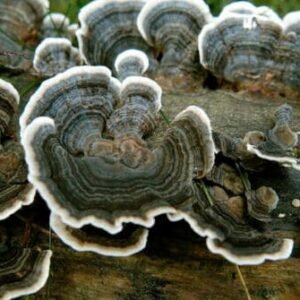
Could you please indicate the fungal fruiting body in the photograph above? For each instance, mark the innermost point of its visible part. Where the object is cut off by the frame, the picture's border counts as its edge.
(55, 55)
(15, 191)
(172, 28)
(252, 48)
(107, 28)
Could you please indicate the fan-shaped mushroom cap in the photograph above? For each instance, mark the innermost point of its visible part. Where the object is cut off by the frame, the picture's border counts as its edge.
(80, 192)
(23, 271)
(142, 100)
(55, 55)
(14, 189)
(172, 27)
(58, 25)
(131, 63)
(79, 100)
(128, 242)
(108, 27)
(240, 43)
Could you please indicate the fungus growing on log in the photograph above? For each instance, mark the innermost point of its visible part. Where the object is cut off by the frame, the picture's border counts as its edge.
(15, 191)
(19, 28)
(23, 271)
(55, 55)
(131, 63)
(155, 186)
(58, 25)
(108, 27)
(172, 27)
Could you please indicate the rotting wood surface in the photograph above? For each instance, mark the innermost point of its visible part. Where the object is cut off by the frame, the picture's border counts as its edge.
(176, 263)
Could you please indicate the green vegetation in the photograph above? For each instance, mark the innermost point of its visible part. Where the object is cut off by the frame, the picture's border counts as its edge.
(71, 7)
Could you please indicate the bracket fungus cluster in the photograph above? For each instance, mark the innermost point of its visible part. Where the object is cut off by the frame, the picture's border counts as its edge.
(253, 48)
(85, 133)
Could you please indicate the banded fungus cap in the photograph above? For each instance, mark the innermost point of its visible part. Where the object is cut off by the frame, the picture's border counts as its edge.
(102, 37)
(251, 33)
(172, 27)
(80, 100)
(142, 100)
(131, 62)
(55, 55)
(156, 186)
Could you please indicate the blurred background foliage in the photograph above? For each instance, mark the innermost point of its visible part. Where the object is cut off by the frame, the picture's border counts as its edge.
(71, 7)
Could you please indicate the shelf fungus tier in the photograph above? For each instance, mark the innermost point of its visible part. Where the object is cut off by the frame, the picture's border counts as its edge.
(160, 180)
(19, 27)
(23, 271)
(15, 191)
(79, 100)
(131, 63)
(131, 240)
(172, 27)
(55, 55)
(239, 45)
(281, 142)
(58, 25)
(137, 117)
(108, 27)
(224, 221)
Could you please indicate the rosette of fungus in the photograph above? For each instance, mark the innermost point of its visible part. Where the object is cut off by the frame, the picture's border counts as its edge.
(280, 141)
(19, 27)
(108, 27)
(58, 25)
(15, 191)
(55, 55)
(23, 270)
(172, 27)
(145, 182)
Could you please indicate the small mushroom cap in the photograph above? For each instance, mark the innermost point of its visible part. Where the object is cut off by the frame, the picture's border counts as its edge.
(261, 202)
(64, 96)
(102, 37)
(80, 192)
(131, 62)
(142, 100)
(291, 22)
(128, 243)
(55, 55)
